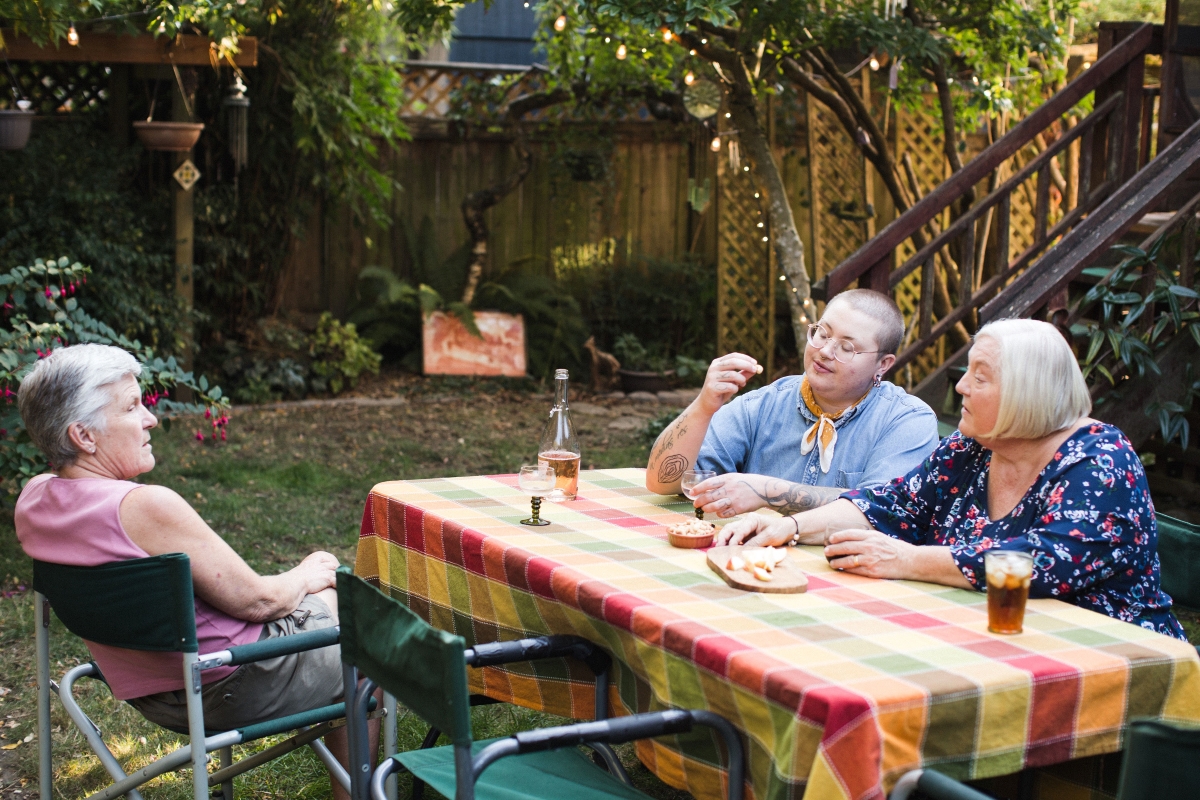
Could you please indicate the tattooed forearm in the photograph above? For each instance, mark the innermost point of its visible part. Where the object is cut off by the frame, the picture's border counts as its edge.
(666, 440)
(672, 468)
(792, 498)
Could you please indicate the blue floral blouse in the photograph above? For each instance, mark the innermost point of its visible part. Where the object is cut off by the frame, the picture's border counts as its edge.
(1088, 521)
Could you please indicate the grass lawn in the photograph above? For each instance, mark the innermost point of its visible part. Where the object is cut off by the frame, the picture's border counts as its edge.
(286, 483)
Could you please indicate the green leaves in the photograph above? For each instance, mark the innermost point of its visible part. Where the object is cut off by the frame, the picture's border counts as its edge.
(41, 318)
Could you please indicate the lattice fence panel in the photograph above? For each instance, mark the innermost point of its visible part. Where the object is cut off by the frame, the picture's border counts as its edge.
(61, 87)
(836, 172)
(919, 136)
(745, 290)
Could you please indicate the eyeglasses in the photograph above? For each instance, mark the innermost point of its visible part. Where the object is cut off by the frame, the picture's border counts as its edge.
(843, 351)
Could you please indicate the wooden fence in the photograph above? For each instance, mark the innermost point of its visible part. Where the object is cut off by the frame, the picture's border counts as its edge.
(650, 202)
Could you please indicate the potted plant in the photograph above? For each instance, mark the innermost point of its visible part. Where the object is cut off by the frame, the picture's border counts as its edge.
(15, 126)
(641, 370)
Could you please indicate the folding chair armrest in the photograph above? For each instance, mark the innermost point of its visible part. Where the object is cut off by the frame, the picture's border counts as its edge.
(935, 785)
(282, 646)
(609, 731)
(536, 648)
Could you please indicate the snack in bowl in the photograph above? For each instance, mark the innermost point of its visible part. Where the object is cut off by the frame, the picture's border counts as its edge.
(691, 534)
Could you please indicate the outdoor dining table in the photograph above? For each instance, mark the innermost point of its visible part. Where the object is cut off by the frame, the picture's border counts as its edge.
(838, 690)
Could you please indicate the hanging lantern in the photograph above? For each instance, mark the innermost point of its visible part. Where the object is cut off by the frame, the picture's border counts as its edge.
(237, 106)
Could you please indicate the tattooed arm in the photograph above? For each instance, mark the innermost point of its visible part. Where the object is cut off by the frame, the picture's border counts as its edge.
(679, 445)
(792, 498)
(730, 495)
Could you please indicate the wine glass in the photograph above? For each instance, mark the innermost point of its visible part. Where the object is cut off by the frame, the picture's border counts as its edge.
(691, 478)
(536, 481)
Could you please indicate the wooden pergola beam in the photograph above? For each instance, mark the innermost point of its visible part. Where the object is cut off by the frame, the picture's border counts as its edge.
(115, 48)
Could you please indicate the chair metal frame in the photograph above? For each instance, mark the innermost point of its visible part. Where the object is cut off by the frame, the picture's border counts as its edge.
(599, 735)
(311, 725)
(490, 654)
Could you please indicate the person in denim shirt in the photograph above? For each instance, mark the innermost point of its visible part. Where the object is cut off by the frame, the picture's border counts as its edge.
(803, 440)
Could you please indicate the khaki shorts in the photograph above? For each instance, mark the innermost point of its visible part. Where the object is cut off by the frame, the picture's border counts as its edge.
(263, 690)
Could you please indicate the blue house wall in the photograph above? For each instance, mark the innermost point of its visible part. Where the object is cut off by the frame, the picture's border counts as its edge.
(503, 34)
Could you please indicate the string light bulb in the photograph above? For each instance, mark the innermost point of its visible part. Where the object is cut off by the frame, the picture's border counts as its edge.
(690, 78)
(716, 144)
(560, 24)
(73, 36)
(873, 64)
(621, 52)
(667, 35)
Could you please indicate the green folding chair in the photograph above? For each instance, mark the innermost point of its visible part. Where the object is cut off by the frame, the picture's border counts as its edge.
(1179, 554)
(1160, 763)
(426, 670)
(147, 604)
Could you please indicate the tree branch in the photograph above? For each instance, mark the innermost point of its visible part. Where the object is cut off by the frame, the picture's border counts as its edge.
(476, 204)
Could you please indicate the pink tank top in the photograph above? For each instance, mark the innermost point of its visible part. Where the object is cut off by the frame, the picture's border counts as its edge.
(78, 522)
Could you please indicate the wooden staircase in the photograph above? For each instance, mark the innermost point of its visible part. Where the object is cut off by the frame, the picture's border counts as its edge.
(1055, 277)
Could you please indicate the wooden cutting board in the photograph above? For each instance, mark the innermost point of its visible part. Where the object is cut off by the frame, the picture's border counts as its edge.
(786, 578)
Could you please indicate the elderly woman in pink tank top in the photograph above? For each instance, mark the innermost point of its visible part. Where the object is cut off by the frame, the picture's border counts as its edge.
(82, 407)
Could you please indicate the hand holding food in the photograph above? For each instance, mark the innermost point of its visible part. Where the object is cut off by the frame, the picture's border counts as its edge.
(726, 375)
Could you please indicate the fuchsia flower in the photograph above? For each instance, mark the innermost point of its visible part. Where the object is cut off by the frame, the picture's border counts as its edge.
(48, 292)
(208, 413)
(199, 436)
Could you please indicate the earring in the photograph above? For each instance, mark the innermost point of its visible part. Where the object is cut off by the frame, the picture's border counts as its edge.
(878, 380)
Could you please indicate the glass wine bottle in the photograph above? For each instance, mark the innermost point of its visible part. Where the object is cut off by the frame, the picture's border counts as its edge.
(559, 448)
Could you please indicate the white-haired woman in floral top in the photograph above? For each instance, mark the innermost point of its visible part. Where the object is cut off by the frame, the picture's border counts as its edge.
(1026, 470)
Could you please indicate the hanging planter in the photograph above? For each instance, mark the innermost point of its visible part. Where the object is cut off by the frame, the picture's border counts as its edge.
(173, 137)
(15, 125)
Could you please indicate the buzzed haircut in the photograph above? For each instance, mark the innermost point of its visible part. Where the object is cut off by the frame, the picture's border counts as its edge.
(883, 309)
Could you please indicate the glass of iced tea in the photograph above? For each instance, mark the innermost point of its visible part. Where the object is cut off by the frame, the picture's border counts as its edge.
(1008, 575)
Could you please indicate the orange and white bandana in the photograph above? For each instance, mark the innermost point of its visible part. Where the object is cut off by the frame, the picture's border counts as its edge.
(823, 433)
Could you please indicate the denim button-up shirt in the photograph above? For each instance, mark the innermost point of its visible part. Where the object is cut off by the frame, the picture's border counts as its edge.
(887, 435)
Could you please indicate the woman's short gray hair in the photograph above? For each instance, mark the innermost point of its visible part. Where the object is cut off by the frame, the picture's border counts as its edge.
(1041, 387)
(69, 386)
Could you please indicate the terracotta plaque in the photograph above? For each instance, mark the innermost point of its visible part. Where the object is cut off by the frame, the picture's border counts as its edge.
(449, 349)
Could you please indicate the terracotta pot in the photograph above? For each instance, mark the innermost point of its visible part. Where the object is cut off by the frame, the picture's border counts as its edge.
(653, 382)
(14, 129)
(174, 137)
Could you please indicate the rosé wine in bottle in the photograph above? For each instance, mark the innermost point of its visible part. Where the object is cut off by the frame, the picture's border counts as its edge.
(565, 466)
(559, 448)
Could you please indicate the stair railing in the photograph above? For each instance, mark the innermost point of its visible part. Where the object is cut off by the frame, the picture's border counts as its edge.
(1109, 155)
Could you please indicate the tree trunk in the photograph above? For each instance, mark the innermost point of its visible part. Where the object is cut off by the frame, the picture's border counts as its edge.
(476, 204)
(785, 238)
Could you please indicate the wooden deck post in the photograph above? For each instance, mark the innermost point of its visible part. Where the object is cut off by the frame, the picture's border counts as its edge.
(185, 224)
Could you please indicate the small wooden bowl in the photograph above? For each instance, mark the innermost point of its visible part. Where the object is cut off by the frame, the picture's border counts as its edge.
(691, 542)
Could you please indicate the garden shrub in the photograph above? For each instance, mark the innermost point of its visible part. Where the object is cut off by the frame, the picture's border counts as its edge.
(339, 355)
(72, 191)
(670, 306)
(42, 312)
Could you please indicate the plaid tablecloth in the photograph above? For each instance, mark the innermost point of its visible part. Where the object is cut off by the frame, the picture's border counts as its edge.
(839, 690)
